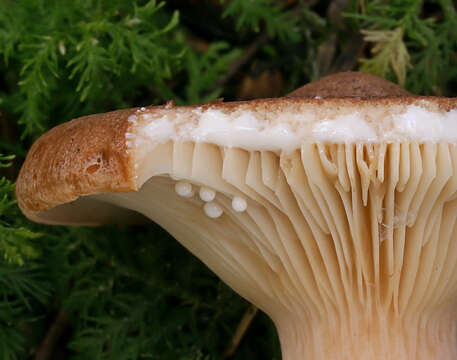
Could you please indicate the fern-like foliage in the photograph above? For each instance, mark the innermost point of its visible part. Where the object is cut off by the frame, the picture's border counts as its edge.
(16, 241)
(405, 33)
(269, 14)
(389, 52)
(203, 71)
(86, 45)
(21, 286)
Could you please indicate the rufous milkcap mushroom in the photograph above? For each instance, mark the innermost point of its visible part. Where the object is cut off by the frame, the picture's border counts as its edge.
(333, 210)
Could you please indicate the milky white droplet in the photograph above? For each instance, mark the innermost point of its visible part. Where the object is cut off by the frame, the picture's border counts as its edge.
(207, 194)
(184, 189)
(239, 204)
(212, 210)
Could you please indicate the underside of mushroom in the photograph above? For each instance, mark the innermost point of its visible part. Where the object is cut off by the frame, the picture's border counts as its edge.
(350, 248)
(335, 217)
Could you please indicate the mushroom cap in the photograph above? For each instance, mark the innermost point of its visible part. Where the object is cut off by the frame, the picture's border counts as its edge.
(350, 84)
(93, 154)
(82, 157)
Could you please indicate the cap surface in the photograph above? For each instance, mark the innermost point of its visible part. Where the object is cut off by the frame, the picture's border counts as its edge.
(84, 156)
(350, 84)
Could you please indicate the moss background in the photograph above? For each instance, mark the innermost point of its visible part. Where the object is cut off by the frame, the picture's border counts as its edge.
(135, 293)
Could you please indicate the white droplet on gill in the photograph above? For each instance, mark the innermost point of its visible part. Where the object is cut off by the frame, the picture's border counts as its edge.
(212, 210)
(184, 189)
(207, 194)
(239, 204)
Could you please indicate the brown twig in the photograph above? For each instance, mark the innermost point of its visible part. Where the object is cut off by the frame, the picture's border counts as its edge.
(242, 60)
(254, 47)
(243, 325)
(349, 58)
(55, 332)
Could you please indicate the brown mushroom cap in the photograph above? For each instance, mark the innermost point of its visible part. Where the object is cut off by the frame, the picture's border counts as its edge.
(350, 84)
(82, 157)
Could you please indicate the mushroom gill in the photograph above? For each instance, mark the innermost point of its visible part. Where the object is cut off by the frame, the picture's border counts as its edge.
(334, 216)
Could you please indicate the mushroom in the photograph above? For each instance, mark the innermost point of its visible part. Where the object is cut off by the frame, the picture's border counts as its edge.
(333, 210)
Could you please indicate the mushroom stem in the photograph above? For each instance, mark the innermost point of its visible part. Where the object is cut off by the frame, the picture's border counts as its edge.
(431, 335)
